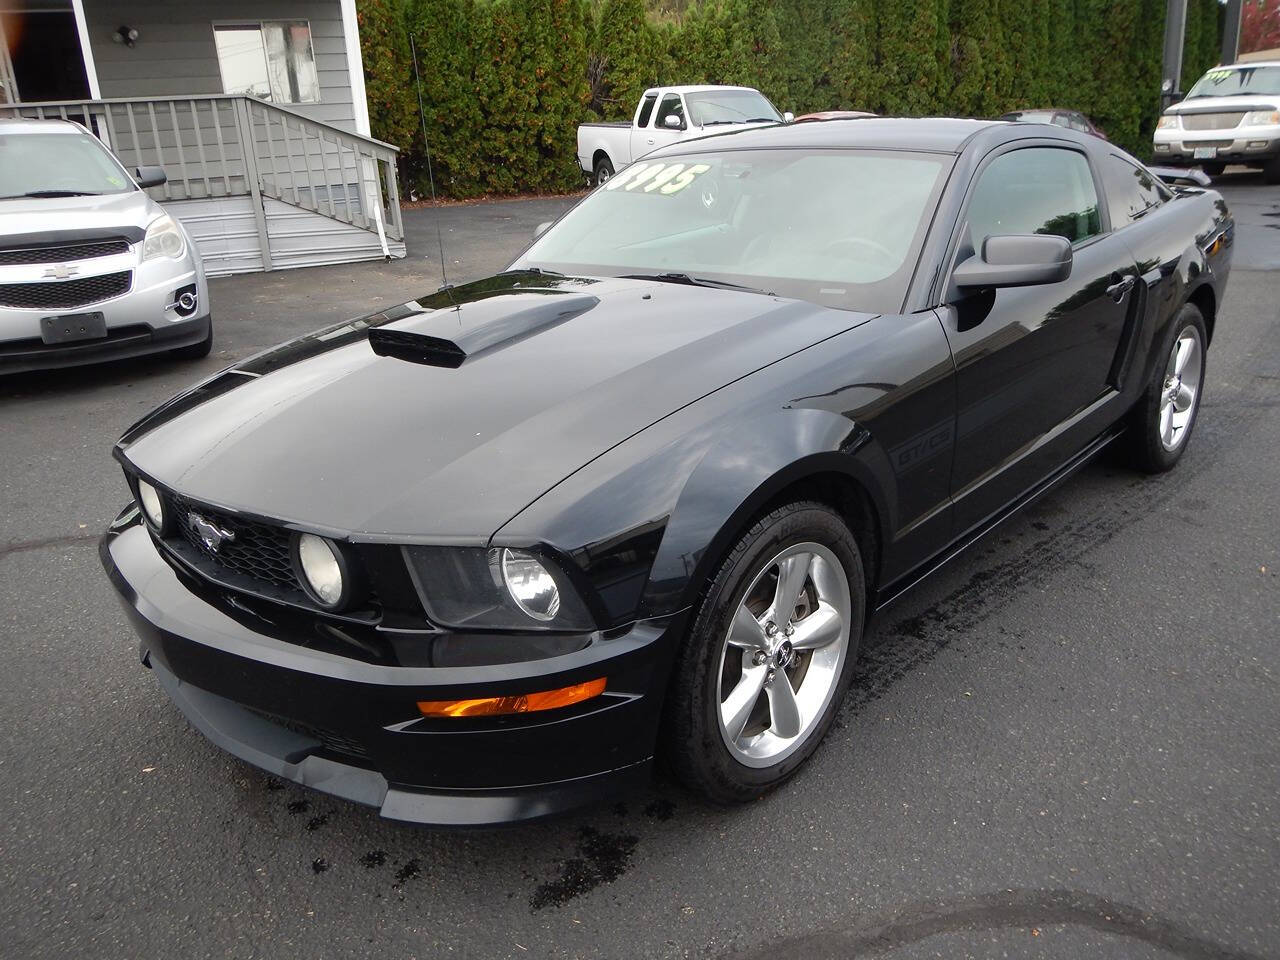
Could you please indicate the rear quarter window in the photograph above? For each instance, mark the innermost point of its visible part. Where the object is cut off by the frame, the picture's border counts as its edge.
(1132, 192)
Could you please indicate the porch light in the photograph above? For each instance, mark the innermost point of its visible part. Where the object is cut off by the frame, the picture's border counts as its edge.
(519, 703)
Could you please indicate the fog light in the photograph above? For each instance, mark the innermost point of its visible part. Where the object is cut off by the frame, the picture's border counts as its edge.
(185, 301)
(1259, 144)
(320, 564)
(520, 703)
(1162, 148)
(152, 505)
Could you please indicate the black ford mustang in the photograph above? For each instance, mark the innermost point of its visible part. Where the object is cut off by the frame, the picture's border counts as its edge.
(484, 556)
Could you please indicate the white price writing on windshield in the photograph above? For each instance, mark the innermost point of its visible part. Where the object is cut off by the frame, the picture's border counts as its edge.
(663, 178)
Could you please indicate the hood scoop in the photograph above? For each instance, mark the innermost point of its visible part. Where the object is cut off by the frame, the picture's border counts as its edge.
(452, 336)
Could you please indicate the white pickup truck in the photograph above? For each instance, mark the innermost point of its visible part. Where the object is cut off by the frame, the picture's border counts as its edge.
(665, 115)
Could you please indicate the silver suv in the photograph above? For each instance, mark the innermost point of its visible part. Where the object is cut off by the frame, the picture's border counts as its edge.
(91, 268)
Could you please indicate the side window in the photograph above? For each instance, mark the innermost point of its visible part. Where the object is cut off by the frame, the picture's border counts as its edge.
(1061, 120)
(670, 107)
(1035, 190)
(1077, 123)
(646, 111)
(1131, 191)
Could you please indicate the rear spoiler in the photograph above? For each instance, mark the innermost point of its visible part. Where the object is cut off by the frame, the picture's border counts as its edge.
(1193, 177)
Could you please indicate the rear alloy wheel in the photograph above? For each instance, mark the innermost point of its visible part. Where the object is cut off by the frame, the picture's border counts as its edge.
(770, 655)
(604, 170)
(1166, 414)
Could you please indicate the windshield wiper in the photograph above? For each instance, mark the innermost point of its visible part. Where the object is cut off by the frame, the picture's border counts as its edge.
(51, 193)
(696, 281)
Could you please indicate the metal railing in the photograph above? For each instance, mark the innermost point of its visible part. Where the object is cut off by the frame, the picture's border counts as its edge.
(235, 146)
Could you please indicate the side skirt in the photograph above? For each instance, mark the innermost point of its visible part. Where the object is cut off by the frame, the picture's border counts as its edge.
(893, 591)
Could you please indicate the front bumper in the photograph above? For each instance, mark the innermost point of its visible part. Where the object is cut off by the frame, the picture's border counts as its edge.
(1178, 147)
(141, 321)
(351, 728)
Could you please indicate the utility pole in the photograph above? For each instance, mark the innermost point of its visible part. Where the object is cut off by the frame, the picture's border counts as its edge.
(1175, 28)
(1231, 33)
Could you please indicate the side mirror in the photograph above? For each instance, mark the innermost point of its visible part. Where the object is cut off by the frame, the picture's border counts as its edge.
(1016, 260)
(788, 116)
(150, 176)
(672, 122)
(541, 228)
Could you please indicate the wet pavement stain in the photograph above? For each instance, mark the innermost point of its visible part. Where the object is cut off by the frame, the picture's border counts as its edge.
(660, 809)
(601, 858)
(296, 807)
(315, 823)
(319, 865)
(374, 858)
(406, 872)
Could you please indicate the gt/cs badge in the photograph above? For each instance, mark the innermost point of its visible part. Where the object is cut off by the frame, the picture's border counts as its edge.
(210, 534)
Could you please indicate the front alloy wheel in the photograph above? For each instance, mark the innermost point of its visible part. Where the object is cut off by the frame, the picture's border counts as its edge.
(782, 658)
(769, 655)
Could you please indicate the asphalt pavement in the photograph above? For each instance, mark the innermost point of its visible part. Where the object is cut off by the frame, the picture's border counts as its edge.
(1063, 745)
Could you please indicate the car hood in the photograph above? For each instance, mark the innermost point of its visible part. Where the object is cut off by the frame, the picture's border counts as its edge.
(30, 216)
(1241, 104)
(443, 418)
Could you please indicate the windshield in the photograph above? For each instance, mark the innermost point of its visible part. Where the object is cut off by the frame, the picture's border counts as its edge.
(1238, 82)
(713, 107)
(57, 164)
(838, 227)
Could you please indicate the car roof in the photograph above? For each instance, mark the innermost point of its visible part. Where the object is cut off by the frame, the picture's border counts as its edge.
(935, 134)
(1247, 64)
(699, 88)
(29, 125)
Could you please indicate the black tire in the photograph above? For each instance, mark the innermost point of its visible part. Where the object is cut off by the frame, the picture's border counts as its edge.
(195, 351)
(1148, 451)
(1271, 172)
(604, 170)
(692, 739)
(1213, 169)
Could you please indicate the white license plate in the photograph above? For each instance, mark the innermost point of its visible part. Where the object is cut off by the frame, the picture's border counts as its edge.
(1204, 153)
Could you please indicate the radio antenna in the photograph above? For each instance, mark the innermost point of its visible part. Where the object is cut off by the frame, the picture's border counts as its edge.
(426, 143)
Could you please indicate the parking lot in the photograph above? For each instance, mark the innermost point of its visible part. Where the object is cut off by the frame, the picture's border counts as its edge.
(1063, 745)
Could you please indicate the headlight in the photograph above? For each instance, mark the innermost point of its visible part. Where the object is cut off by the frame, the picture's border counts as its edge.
(163, 239)
(152, 505)
(1170, 121)
(496, 589)
(530, 584)
(321, 565)
(1261, 118)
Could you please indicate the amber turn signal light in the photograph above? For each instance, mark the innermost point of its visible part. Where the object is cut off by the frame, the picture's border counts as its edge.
(520, 703)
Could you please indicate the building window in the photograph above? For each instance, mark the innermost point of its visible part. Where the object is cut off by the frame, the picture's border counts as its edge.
(272, 60)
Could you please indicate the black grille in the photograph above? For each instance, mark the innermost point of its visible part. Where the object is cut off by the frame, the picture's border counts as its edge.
(255, 550)
(66, 252)
(66, 294)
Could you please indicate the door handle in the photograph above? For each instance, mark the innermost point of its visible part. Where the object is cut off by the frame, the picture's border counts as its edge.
(1118, 291)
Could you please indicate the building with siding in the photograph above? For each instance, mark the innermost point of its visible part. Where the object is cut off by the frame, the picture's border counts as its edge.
(256, 109)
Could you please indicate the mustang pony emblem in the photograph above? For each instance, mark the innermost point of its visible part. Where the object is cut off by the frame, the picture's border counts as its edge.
(210, 534)
(61, 271)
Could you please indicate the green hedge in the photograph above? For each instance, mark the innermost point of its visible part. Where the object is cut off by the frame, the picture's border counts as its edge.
(506, 82)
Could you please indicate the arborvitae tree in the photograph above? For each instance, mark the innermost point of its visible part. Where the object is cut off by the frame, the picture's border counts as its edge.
(626, 46)
(384, 49)
(443, 32)
(855, 83)
(981, 62)
(507, 81)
